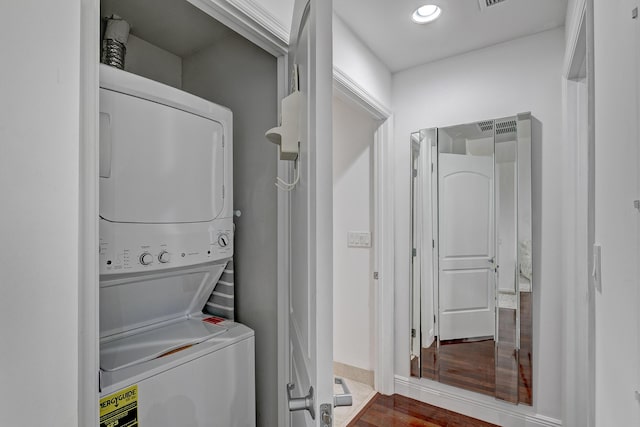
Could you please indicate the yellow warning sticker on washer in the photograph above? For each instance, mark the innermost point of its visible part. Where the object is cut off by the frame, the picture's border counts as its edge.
(120, 409)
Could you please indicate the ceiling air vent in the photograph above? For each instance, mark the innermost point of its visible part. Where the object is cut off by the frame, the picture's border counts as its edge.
(484, 4)
(509, 126)
(486, 126)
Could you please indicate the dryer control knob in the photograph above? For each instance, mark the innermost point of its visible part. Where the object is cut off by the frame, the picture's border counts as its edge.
(164, 257)
(146, 258)
(223, 240)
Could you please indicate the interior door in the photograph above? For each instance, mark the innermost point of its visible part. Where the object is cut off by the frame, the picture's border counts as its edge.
(311, 212)
(466, 246)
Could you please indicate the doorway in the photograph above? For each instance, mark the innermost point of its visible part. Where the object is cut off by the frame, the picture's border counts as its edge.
(363, 244)
(353, 251)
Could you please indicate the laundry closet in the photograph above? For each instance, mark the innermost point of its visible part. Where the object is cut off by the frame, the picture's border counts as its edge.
(175, 44)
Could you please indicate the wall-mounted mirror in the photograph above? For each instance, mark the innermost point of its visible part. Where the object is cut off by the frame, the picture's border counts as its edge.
(471, 249)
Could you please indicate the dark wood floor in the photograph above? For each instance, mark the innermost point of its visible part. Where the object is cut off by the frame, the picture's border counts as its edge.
(483, 366)
(400, 411)
(468, 365)
(525, 357)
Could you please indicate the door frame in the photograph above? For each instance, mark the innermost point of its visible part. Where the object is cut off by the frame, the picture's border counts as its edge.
(88, 240)
(383, 233)
(284, 253)
(579, 70)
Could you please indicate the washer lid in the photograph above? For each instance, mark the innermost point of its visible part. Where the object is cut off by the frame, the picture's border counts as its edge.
(139, 302)
(154, 343)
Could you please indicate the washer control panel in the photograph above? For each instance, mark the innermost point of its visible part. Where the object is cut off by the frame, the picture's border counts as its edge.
(224, 239)
(146, 258)
(164, 257)
(132, 248)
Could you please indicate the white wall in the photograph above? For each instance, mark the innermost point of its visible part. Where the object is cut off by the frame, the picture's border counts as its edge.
(616, 119)
(148, 60)
(39, 188)
(502, 80)
(353, 131)
(352, 57)
(243, 77)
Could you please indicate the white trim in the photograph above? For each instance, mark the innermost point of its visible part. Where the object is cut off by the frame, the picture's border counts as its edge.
(88, 270)
(354, 92)
(384, 329)
(263, 17)
(284, 225)
(573, 223)
(591, 206)
(574, 22)
(471, 404)
(241, 17)
(579, 405)
(637, 83)
(576, 52)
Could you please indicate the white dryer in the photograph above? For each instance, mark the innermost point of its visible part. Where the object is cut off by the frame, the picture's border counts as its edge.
(166, 234)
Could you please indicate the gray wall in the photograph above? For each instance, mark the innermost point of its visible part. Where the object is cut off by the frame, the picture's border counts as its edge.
(243, 77)
(148, 60)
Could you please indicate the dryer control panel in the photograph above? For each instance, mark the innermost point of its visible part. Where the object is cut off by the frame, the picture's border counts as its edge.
(134, 248)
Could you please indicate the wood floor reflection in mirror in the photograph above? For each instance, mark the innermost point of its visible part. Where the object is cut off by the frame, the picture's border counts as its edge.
(473, 364)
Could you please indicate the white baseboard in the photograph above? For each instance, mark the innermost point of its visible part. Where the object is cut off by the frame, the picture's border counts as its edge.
(472, 405)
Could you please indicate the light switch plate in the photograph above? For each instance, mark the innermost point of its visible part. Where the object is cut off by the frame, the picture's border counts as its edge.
(359, 239)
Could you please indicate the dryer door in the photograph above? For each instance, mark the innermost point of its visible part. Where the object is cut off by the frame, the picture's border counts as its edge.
(158, 164)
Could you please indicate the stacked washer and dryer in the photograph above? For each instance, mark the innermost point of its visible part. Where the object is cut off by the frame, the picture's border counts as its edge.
(166, 235)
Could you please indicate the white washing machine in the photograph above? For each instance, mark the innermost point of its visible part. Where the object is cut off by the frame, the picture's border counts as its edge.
(166, 234)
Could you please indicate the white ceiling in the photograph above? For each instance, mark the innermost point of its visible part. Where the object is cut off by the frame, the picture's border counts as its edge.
(385, 26)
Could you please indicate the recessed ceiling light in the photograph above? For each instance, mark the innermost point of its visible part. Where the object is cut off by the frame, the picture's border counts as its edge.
(426, 13)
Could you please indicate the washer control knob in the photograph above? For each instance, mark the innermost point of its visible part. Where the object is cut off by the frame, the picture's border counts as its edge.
(146, 258)
(164, 257)
(223, 240)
